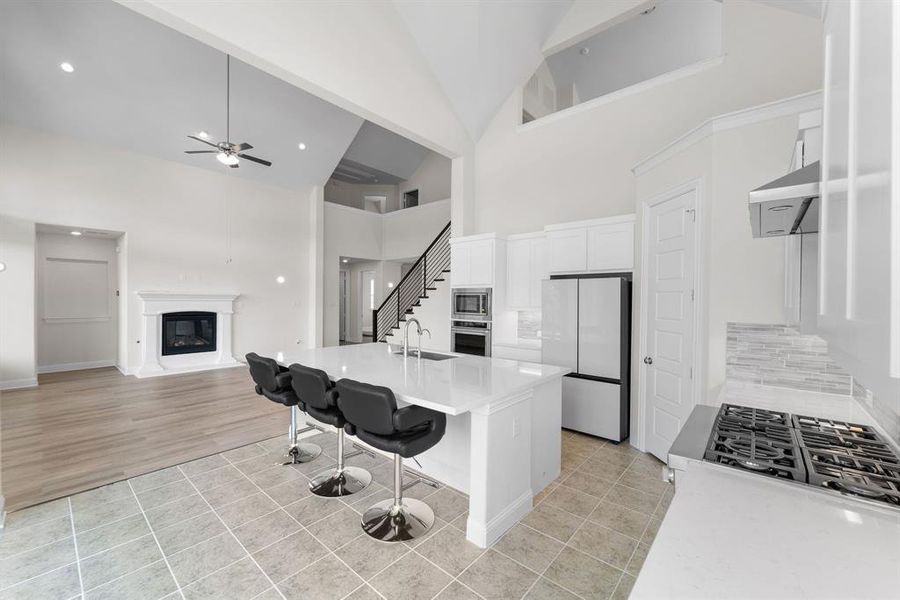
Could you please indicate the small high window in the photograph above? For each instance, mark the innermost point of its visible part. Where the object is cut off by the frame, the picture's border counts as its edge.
(665, 38)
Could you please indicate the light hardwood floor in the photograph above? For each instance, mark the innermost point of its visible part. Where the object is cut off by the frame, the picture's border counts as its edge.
(81, 429)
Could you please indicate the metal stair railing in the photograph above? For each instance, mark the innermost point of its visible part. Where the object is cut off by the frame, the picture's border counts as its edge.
(432, 266)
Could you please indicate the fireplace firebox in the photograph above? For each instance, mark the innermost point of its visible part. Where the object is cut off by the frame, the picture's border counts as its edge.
(188, 332)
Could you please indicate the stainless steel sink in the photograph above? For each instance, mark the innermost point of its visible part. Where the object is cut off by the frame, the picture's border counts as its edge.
(427, 355)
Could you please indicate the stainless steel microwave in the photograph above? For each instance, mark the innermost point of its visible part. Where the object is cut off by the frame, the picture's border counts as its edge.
(471, 304)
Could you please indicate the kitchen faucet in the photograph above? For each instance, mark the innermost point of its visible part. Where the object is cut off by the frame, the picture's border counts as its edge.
(420, 331)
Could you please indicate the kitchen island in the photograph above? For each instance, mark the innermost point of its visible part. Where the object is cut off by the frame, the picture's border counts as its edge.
(502, 442)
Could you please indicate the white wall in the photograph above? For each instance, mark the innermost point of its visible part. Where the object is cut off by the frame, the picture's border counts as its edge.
(355, 233)
(432, 179)
(577, 164)
(187, 229)
(743, 279)
(674, 35)
(17, 338)
(434, 315)
(83, 342)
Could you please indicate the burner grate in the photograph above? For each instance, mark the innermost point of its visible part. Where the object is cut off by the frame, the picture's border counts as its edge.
(848, 445)
(754, 416)
(773, 451)
(854, 475)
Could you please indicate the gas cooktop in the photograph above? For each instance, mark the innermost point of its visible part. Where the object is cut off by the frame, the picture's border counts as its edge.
(846, 457)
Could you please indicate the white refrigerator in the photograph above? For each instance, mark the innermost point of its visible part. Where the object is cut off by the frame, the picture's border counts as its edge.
(586, 326)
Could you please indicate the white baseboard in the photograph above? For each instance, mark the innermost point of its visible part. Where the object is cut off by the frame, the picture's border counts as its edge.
(124, 370)
(500, 524)
(76, 366)
(15, 384)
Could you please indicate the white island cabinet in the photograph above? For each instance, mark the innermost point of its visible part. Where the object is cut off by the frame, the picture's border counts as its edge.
(502, 442)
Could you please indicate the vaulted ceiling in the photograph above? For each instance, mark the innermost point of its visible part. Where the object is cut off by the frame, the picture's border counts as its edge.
(481, 50)
(141, 86)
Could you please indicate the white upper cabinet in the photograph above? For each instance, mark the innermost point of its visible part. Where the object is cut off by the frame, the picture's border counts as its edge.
(568, 250)
(610, 247)
(592, 246)
(859, 229)
(525, 268)
(474, 261)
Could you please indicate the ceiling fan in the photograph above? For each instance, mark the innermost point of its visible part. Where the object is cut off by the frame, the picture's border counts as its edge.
(227, 153)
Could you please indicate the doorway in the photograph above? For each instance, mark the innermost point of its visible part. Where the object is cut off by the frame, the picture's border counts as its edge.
(342, 294)
(670, 381)
(367, 301)
(77, 298)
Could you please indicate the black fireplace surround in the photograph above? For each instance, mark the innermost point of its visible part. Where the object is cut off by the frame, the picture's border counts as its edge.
(188, 332)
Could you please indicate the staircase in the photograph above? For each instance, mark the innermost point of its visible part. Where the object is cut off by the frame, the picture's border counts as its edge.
(430, 268)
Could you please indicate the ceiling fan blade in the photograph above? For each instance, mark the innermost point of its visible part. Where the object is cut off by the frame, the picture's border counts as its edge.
(256, 160)
(235, 165)
(242, 146)
(202, 141)
(200, 151)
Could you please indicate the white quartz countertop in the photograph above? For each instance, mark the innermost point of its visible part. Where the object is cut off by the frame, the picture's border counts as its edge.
(452, 386)
(730, 534)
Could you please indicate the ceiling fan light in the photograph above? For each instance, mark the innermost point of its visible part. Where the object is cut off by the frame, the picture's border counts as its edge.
(227, 159)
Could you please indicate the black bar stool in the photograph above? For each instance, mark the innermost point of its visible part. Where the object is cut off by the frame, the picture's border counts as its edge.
(317, 393)
(274, 382)
(372, 415)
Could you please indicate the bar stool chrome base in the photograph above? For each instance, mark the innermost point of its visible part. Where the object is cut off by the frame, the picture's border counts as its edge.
(390, 522)
(335, 483)
(302, 453)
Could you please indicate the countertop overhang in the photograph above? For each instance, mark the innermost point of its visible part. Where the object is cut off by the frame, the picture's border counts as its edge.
(453, 386)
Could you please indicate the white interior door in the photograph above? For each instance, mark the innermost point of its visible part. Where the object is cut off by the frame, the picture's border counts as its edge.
(669, 328)
(367, 300)
(342, 292)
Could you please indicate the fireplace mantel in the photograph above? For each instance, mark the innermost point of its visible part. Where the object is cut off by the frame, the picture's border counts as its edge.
(157, 303)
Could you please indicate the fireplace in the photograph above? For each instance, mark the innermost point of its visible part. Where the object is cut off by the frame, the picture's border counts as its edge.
(188, 332)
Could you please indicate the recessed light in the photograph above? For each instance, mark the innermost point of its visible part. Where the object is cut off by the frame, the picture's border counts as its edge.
(2, 266)
(390, 284)
(75, 232)
(67, 67)
(302, 146)
(344, 260)
(584, 51)
(280, 279)
(203, 134)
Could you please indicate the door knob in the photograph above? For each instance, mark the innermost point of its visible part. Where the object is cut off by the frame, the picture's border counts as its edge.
(648, 360)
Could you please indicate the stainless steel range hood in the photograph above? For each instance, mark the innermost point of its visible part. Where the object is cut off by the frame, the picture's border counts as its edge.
(788, 205)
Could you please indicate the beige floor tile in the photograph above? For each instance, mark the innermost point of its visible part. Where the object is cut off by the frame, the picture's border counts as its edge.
(203, 465)
(410, 578)
(367, 556)
(496, 576)
(530, 547)
(119, 561)
(619, 518)
(336, 529)
(242, 579)
(652, 529)
(246, 509)
(604, 469)
(327, 579)
(19, 539)
(313, 508)
(584, 575)
(623, 590)
(605, 544)
(457, 591)
(544, 589)
(450, 550)
(633, 499)
(257, 534)
(61, 583)
(198, 561)
(553, 521)
(637, 559)
(35, 514)
(151, 582)
(230, 492)
(35, 562)
(573, 501)
(289, 492)
(447, 504)
(363, 592)
(288, 556)
(644, 483)
(589, 484)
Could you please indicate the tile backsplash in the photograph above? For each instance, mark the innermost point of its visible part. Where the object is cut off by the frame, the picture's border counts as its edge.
(781, 356)
(529, 325)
